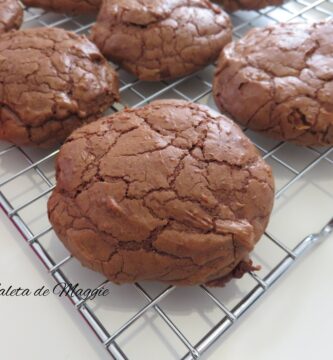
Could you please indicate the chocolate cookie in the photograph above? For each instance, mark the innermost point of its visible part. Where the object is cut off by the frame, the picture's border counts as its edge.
(234, 5)
(171, 192)
(278, 80)
(158, 40)
(11, 15)
(67, 6)
(51, 82)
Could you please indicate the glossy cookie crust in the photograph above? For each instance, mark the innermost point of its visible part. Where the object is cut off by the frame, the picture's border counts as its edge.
(160, 40)
(51, 82)
(11, 15)
(278, 80)
(172, 192)
(67, 6)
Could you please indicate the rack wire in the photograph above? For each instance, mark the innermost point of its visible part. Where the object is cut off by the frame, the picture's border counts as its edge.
(27, 178)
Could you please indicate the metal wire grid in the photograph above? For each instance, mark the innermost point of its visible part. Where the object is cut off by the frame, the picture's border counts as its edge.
(196, 88)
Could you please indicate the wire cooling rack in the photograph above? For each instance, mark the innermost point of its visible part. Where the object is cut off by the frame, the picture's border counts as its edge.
(166, 314)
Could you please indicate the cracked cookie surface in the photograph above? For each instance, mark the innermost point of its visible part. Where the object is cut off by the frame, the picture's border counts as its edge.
(51, 82)
(172, 192)
(278, 81)
(234, 5)
(159, 40)
(11, 15)
(67, 6)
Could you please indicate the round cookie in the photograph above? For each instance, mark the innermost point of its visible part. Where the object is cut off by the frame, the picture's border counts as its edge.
(51, 82)
(66, 6)
(159, 40)
(172, 192)
(234, 5)
(278, 80)
(11, 15)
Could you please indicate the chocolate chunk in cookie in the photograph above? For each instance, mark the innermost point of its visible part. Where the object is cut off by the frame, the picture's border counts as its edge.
(158, 40)
(234, 5)
(11, 15)
(172, 192)
(67, 6)
(51, 82)
(278, 80)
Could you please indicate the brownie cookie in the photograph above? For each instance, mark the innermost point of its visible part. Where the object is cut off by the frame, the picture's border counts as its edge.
(234, 5)
(278, 80)
(51, 82)
(171, 192)
(67, 6)
(11, 15)
(158, 40)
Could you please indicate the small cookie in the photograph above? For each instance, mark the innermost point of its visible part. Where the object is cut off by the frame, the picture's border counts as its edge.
(172, 192)
(66, 6)
(278, 80)
(11, 15)
(159, 40)
(234, 5)
(51, 82)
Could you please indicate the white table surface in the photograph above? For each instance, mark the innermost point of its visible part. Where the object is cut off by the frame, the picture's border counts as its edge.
(293, 321)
